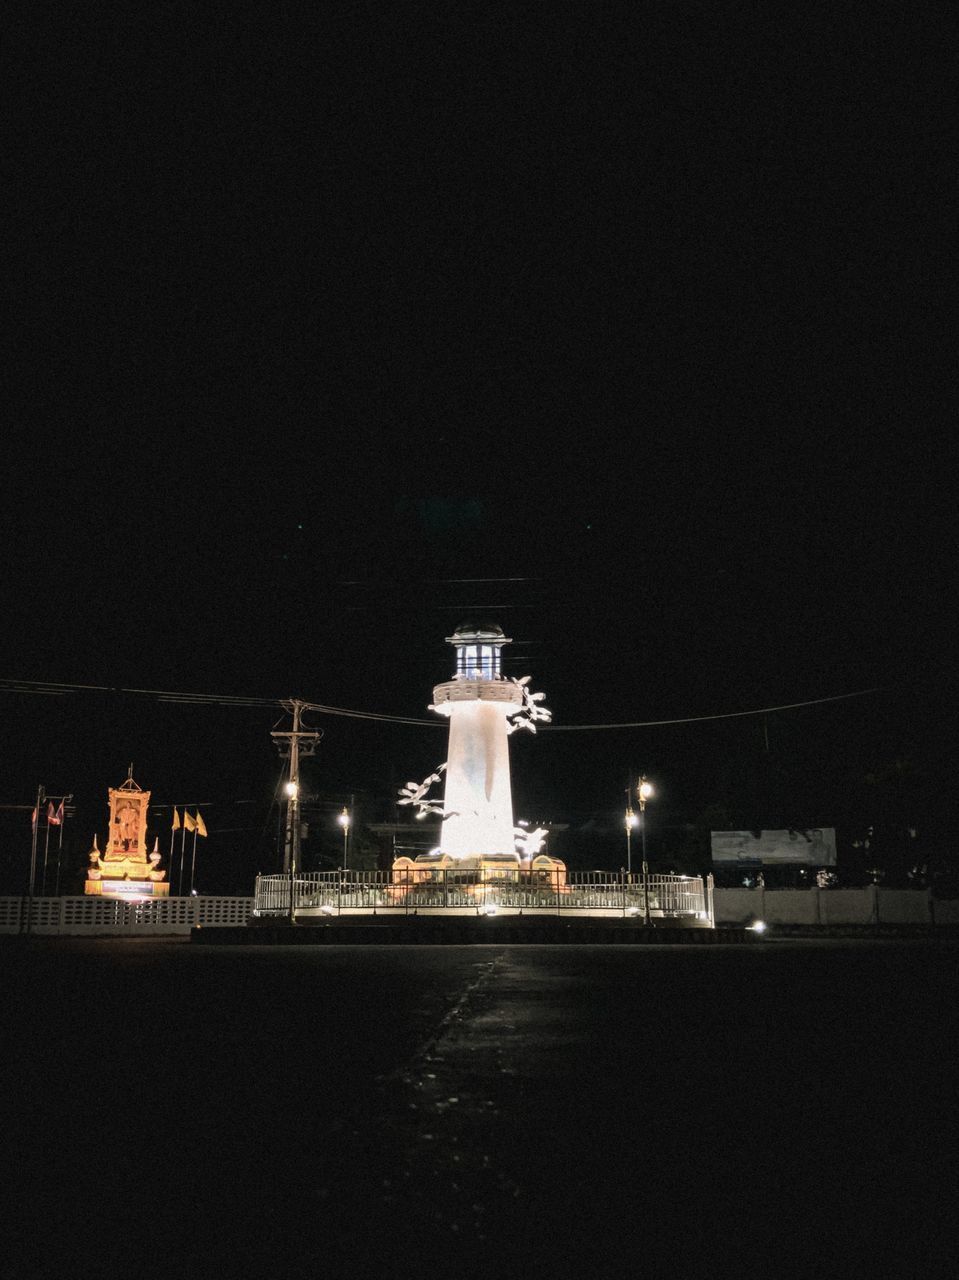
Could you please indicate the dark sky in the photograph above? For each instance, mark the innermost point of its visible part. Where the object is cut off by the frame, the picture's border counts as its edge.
(625, 327)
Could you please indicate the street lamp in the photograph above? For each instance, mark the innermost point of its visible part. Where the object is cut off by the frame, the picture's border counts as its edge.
(631, 822)
(291, 846)
(344, 821)
(644, 791)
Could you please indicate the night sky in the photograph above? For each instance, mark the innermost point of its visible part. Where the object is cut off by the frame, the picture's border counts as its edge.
(623, 328)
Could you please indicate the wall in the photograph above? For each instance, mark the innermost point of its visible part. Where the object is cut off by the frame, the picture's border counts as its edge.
(868, 905)
(97, 915)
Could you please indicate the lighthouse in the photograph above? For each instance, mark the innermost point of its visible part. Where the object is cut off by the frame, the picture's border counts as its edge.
(479, 702)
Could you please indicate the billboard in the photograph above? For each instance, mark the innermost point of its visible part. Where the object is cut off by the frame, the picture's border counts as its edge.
(815, 846)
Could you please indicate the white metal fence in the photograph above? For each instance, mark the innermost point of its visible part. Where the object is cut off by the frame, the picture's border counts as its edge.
(100, 915)
(440, 889)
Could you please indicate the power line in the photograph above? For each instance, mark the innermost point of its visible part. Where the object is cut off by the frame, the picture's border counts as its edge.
(726, 715)
(213, 699)
(187, 698)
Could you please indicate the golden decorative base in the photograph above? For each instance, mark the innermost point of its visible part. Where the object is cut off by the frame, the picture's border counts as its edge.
(126, 878)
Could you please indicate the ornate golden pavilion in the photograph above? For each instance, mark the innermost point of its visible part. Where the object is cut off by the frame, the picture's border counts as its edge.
(125, 870)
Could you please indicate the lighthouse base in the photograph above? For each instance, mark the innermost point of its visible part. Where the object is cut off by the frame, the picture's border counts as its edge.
(477, 880)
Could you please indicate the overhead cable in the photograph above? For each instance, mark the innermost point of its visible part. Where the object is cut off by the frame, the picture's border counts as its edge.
(184, 698)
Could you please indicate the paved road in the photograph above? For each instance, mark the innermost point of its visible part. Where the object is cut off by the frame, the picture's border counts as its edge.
(501, 1110)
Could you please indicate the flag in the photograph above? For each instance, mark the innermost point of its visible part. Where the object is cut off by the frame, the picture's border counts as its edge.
(60, 814)
(189, 824)
(200, 824)
(54, 818)
(176, 819)
(33, 818)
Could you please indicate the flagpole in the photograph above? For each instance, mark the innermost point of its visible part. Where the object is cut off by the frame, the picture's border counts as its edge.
(179, 892)
(41, 796)
(63, 818)
(56, 889)
(172, 838)
(46, 850)
(193, 862)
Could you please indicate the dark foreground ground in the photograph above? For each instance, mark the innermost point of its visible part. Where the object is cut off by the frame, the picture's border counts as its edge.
(774, 1109)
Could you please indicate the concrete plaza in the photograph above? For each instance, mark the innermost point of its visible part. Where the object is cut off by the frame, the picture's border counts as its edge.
(494, 1110)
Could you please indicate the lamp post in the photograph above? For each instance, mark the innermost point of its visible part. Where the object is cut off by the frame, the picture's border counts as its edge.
(631, 822)
(344, 821)
(644, 791)
(292, 789)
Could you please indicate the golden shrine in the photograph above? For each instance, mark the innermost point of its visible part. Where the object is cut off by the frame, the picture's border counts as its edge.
(124, 869)
(471, 877)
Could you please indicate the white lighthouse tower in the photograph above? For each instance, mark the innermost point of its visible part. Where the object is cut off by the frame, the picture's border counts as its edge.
(479, 701)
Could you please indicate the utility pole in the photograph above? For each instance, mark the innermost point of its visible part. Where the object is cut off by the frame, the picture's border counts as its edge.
(294, 743)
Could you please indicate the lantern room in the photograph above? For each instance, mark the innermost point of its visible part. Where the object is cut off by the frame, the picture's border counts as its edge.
(478, 651)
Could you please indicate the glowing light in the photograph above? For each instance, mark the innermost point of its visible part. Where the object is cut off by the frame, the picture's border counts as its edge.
(344, 818)
(291, 789)
(758, 926)
(646, 790)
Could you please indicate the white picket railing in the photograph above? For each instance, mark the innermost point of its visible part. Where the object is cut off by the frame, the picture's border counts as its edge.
(101, 915)
(452, 890)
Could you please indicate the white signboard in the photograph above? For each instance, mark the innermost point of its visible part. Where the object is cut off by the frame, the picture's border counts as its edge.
(815, 846)
(127, 889)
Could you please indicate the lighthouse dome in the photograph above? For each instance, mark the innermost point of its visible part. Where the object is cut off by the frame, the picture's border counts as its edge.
(476, 630)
